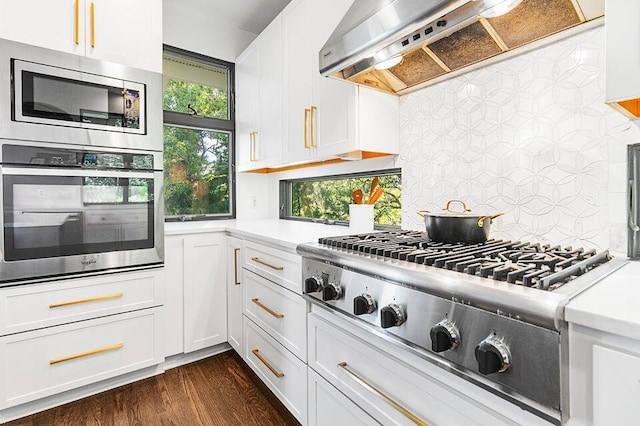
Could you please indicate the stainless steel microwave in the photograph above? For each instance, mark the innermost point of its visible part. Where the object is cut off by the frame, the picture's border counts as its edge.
(63, 98)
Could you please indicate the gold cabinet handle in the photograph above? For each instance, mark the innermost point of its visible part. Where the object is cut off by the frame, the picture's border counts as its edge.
(313, 126)
(395, 404)
(262, 262)
(275, 372)
(235, 265)
(93, 25)
(306, 126)
(255, 143)
(77, 21)
(91, 299)
(266, 308)
(89, 353)
(251, 146)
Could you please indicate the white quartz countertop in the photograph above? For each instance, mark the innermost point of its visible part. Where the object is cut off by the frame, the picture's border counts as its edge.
(611, 305)
(283, 233)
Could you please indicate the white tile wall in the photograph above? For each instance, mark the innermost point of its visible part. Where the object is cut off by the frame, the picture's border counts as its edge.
(530, 137)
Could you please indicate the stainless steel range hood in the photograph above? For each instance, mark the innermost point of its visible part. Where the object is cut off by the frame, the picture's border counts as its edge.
(430, 38)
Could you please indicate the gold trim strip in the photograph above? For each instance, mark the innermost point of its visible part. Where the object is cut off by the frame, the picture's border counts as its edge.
(262, 262)
(93, 25)
(89, 353)
(435, 57)
(77, 21)
(494, 34)
(306, 126)
(313, 126)
(235, 264)
(408, 414)
(91, 299)
(266, 308)
(579, 11)
(275, 372)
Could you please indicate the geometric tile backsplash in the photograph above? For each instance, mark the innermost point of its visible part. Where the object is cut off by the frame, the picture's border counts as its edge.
(529, 136)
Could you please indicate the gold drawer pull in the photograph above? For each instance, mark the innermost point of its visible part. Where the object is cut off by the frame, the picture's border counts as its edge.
(275, 372)
(93, 352)
(262, 262)
(271, 311)
(408, 414)
(93, 25)
(76, 32)
(91, 299)
(235, 265)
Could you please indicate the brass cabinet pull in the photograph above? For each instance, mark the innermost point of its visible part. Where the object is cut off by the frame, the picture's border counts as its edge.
(77, 21)
(408, 414)
(306, 126)
(93, 25)
(262, 262)
(93, 352)
(253, 156)
(275, 372)
(235, 265)
(313, 126)
(266, 308)
(255, 143)
(91, 299)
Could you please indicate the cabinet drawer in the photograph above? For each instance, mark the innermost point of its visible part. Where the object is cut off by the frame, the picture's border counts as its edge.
(372, 379)
(278, 311)
(281, 371)
(44, 362)
(616, 389)
(35, 306)
(328, 407)
(275, 265)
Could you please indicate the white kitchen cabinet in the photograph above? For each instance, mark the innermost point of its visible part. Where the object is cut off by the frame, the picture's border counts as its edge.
(327, 406)
(325, 117)
(235, 283)
(259, 101)
(275, 265)
(174, 305)
(623, 56)
(205, 291)
(121, 31)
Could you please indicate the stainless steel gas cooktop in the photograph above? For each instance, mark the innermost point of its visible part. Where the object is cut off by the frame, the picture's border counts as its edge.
(492, 313)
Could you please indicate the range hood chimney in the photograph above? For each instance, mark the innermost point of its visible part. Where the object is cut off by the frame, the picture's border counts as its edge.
(397, 45)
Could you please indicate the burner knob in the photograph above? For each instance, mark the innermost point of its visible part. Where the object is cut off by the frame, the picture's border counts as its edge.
(364, 304)
(444, 336)
(493, 355)
(312, 284)
(332, 291)
(391, 316)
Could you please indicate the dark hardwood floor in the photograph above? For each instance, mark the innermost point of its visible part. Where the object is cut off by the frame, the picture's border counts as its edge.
(220, 390)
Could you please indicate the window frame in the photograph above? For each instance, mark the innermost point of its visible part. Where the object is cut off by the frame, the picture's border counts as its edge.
(285, 206)
(190, 121)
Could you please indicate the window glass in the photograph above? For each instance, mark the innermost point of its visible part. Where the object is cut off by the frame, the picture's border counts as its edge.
(198, 137)
(329, 198)
(196, 171)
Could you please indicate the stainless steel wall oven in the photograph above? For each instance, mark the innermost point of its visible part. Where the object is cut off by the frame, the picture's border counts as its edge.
(80, 165)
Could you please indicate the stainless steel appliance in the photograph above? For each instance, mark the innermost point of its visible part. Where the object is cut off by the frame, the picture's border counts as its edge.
(633, 214)
(492, 313)
(57, 97)
(68, 210)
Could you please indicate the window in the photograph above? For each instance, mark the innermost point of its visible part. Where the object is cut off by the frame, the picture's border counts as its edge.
(198, 136)
(328, 198)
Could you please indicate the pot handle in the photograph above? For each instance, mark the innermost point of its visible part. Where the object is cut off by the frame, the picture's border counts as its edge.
(422, 212)
(481, 219)
(464, 206)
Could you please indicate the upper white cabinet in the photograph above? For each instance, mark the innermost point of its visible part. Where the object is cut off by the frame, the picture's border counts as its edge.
(326, 117)
(259, 100)
(121, 31)
(623, 56)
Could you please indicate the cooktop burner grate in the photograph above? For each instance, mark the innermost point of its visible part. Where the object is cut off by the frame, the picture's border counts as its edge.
(544, 267)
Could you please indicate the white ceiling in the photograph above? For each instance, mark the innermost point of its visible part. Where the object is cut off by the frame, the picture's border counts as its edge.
(248, 15)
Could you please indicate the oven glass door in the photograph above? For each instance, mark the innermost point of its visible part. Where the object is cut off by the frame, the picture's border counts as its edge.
(51, 95)
(56, 215)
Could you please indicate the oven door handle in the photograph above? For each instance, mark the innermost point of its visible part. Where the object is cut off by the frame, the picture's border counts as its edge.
(29, 171)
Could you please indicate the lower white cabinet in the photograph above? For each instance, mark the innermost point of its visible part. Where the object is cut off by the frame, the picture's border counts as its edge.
(390, 391)
(278, 368)
(39, 363)
(234, 293)
(329, 407)
(205, 291)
